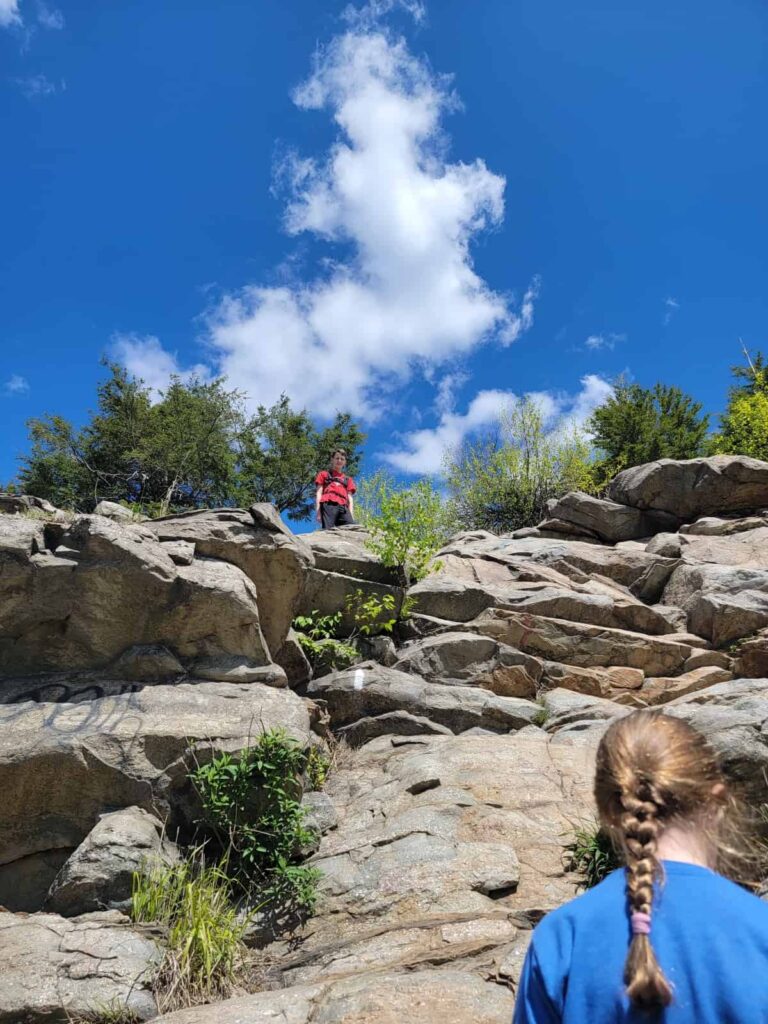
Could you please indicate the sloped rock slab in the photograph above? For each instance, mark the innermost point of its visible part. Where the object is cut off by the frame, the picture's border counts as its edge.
(447, 849)
(609, 520)
(54, 968)
(429, 997)
(369, 690)
(344, 551)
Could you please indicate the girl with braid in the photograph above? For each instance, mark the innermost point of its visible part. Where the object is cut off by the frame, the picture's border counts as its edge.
(667, 938)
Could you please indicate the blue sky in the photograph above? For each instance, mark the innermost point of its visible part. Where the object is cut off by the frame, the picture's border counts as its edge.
(412, 213)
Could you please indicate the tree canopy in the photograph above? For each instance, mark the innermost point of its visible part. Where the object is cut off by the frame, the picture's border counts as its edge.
(637, 425)
(191, 447)
(744, 424)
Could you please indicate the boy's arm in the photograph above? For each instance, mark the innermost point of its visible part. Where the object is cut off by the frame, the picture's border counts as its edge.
(318, 496)
(351, 506)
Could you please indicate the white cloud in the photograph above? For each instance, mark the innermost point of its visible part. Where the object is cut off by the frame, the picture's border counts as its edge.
(424, 449)
(371, 13)
(16, 385)
(603, 342)
(671, 306)
(9, 13)
(145, 358)
(49, 17)
(34, 86)
(406, 294)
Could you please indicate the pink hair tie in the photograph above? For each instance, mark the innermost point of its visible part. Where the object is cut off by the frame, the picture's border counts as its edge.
(641, 923)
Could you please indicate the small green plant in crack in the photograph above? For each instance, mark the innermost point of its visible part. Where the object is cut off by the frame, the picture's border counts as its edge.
(591, 853)
(317, 767)
(113, 1012)
(543, 715)
(251, 804)
(316, 634)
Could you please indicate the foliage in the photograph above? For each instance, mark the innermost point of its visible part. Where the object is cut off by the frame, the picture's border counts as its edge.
(252, 804)
(190, 446)
(407, 526)
(317, 768)
(744, 425)
(113, 1012)
(592, 854)
(204, 931)
(280, 452)
(316, 634)
(501, 481)
(372, 615)
(637, 425)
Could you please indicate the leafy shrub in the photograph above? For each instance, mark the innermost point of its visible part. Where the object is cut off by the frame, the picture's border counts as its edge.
(317, 768)
(324, 652)
(252, 804)
(204, 953)
(407, 529)
(592, 854)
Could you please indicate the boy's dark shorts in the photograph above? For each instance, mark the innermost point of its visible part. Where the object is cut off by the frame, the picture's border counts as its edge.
(333, 514)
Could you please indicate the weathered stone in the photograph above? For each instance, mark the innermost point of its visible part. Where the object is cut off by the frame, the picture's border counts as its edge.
(748, 550)
(293, 661)
(182, 552)
(369, 690)
(327, 593)
(344, 551)
(378, 648)
(320, 813)
(12, 503)
(470, 659)
(702, 659)
(450, 997)
(566, 708)
(57, 969)
(580, 644)
(112, 510)
(713, 526)
(693, 488)
(597, 682)
(233, 668)
(607, 519)
(63, 765)
(392, 723)
(122, 590)
(722, 603)
(147, 663)
(662, 690)
(752, 656)
(562, 529)
(99, 874)
(666, 544)
(258, 543)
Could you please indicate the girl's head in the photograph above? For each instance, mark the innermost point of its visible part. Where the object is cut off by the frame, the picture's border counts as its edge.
(655, 771)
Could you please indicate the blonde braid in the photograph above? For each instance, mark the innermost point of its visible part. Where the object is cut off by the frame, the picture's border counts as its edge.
(646, 985)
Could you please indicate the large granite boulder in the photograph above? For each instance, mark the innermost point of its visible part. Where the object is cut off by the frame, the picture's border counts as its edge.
(468, 659)
(110, 586)
(723, 603)
(691, 488)
(607, 519)
(261, 546)
(99, 874)
(344, 551)
(446, 848)
(429, 997)
(369, 690)
(64, 765)
(55, 969)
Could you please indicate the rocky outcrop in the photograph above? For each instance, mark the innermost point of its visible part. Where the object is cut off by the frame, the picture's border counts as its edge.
(608, 520)
(64, 765)
(56, 969)
(462, 659)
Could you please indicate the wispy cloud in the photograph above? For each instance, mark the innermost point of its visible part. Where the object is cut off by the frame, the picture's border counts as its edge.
(407, 295)
(423, 451)
(670, 308)
(370, 14)
(603, 342)
(36, 86)
(49, 17)
(15, 385)
(9, 13)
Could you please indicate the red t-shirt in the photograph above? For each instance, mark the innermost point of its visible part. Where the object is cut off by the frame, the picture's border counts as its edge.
(333, 486)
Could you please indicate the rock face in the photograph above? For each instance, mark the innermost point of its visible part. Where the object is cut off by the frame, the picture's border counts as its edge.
(128, 649)
(99, 874)
(64, 765)
(694, 487)
(52, 967)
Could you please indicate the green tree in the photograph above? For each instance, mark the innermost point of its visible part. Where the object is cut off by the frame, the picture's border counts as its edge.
(280, 452)
(637, 425)
(744, 424)
(407, 525)
(191, 447)
(502, 481)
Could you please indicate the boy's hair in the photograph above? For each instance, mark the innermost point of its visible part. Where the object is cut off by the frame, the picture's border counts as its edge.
(338, 451)
(653, 770)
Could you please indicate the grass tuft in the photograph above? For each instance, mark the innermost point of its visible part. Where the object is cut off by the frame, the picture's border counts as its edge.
(592, 854)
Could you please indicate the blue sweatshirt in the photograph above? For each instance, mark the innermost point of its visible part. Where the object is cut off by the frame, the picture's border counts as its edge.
(710, 938)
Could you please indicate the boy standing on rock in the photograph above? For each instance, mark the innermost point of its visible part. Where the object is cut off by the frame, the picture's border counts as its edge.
(334, 504)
